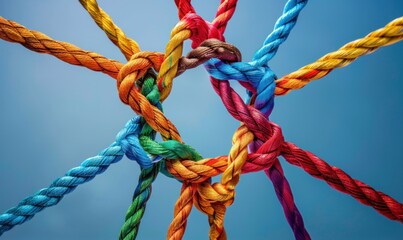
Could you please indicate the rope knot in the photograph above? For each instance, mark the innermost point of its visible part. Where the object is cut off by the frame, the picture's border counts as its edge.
(264, 153)
(128, 138)
(134, 69)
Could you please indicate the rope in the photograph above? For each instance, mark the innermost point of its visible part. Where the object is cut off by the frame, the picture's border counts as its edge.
(39, 42)
(308, 161)
(341, 181)
(216, 218)
(224, 13)
(240, 71)
(282, 30)
(136, 210)
(391, 33)
(139, 88)
(114, 33)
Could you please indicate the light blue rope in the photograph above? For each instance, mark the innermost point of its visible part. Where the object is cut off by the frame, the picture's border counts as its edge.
(282, 30)
(126, 142)
(257, 71)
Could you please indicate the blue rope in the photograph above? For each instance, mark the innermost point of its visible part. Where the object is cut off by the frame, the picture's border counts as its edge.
(257, 71)
(126, 142)
(280, 33)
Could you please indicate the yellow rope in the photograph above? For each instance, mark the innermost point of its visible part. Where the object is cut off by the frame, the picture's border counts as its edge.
(114, 33)
(391, 33)
(173, 53)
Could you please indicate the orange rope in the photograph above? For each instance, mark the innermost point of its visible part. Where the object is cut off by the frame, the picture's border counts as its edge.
(39, 42)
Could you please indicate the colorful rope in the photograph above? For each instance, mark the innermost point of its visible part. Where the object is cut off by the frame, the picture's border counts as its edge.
(268, 79)
(257, 143)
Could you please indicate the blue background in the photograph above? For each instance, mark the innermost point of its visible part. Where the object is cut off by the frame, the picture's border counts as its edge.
(54, 115)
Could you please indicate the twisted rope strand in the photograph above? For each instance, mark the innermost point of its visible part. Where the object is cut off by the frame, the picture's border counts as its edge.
(173, 53)
(282, 30)
(136, 210)
(391, 33)
(341, 181)
(256, 76)
(224, 14)
(126, 45)
(39, 42)
(184, 7)
(183, 207)
(284, 194)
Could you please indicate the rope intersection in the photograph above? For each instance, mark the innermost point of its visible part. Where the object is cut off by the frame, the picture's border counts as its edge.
(146, 80)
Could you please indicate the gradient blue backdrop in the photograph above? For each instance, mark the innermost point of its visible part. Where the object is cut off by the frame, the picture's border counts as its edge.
(54, 115)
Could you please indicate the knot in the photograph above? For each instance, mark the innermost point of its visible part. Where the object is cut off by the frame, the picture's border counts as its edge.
(258, 81)
(134, 69)
(129, 92)
(128, 138)
(263, 158)
(265, 153)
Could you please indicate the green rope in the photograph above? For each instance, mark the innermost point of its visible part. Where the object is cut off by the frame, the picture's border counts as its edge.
(137, 208)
